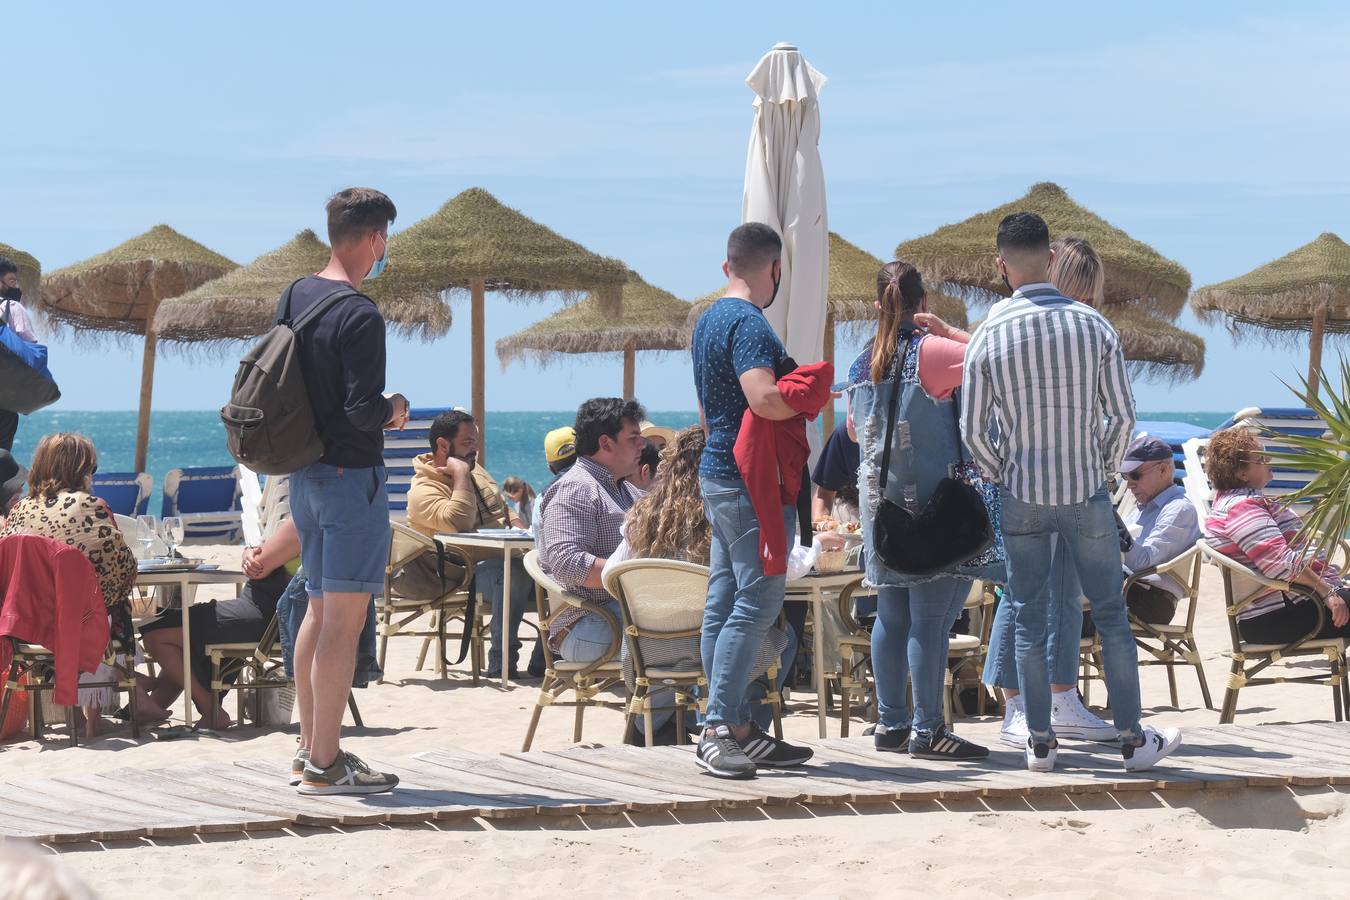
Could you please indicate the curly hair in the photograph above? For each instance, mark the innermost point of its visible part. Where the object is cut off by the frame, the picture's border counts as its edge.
(61, 462)
(1227, 454)
(669, 523)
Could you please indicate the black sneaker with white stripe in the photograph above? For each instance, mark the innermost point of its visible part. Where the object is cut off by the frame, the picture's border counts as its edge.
(942, 744)
(771, 753)
(721, 754)
(890, 740)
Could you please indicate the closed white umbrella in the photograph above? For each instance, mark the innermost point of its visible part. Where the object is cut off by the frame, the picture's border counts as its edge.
(785, 189)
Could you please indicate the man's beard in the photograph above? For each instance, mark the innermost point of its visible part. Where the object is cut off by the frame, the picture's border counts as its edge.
(471, 459)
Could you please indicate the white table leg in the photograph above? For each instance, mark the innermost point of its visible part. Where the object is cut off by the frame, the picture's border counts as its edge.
(818, 647)
(506, 618)
(185, 603)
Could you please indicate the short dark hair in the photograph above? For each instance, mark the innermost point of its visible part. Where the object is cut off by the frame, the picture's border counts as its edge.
(6, 266)
(356, 212)
(753, 246)
(604, 416)
(1023, 232)
(651, 457)
(446, 425)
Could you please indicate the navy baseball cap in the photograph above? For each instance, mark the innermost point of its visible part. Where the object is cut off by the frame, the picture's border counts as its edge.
(1144, 449)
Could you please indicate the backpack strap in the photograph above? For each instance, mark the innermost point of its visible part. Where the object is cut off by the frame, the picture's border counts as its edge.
(324, 304)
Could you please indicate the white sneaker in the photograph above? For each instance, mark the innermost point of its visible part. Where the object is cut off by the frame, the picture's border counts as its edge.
(1157, 744)
(1014, 730)
(1071, 719)
(1041, 757)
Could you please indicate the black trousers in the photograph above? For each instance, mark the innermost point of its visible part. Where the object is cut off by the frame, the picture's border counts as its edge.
(1290, 622)
(9, 424)
(1150, 604)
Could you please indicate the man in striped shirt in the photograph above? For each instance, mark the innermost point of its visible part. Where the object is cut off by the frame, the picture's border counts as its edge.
(1046, 375)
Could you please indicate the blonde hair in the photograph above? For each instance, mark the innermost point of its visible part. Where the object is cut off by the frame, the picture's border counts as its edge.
(61, 462)
(669, 522)
(900, 293)
(1077, 271)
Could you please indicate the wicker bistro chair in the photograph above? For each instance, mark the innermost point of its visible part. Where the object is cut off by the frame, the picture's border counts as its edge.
(964, 652)
(1241, 587)
(1173, 645)
(587, 680)
(37, 666)
(398, 615)
(662, 602)
(263, 661)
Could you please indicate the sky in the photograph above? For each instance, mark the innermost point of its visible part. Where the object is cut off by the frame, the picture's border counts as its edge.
(1215, 132)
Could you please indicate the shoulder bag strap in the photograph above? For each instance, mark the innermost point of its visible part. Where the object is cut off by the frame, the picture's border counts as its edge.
(905, 335)
(956, 417)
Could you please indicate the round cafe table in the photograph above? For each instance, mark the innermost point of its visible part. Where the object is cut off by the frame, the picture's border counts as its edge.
(189, 580)
(812, 589)
(510, 542)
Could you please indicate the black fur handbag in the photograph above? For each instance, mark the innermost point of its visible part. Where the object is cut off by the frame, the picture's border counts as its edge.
(953, 525)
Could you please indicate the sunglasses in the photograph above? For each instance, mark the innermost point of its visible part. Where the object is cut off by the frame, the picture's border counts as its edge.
(1137, 473)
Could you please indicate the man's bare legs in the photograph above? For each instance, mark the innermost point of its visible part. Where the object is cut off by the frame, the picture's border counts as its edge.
(325, 658)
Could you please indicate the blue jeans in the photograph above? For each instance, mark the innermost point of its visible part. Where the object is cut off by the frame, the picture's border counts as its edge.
(742, 601)
(291, 610)
(910, 638)
(1065, 627)
(1087, 535)
(589, 638)
(488, 578)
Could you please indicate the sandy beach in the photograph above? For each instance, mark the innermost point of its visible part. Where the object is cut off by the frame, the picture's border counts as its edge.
(1095, 846)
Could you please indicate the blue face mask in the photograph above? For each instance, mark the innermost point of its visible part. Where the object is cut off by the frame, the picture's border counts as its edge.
(379, 264)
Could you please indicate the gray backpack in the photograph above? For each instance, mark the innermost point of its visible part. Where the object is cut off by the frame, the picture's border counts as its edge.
(269, 423)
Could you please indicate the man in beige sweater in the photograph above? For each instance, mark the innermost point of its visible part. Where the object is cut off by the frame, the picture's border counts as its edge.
(450, 492)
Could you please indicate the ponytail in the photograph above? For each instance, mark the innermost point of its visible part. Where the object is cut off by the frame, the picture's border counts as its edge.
(900, 293)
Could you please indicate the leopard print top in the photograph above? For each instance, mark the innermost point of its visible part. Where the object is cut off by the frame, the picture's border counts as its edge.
(85, 522)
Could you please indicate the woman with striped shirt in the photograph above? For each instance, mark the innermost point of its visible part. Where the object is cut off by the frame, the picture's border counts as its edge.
(1261, 534)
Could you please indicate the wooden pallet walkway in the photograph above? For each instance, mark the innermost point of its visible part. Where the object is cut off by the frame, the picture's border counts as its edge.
(448, 785)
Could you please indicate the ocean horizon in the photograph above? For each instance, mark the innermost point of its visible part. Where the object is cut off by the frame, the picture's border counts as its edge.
(190, 438)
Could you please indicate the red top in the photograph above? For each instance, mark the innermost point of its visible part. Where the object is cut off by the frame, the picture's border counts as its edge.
(51, 597)
(771, 455)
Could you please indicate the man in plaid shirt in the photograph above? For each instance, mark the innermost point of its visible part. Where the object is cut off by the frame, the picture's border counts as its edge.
(581, 520)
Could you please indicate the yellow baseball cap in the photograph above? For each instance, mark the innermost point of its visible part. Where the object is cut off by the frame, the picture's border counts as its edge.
(560, 444)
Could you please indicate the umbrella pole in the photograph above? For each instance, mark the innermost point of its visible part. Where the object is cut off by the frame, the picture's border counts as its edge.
(629, 371)
(827, 415)
(1319, 324)
(478, 288)
(147, 389)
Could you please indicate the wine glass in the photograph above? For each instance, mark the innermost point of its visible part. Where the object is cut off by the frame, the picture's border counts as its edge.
(171, 529)
(149, 527)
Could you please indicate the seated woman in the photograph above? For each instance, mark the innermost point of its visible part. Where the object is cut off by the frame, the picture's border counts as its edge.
(669, 523)
(1261, 534)
(59, 505)
(240, 620)
(522, 496)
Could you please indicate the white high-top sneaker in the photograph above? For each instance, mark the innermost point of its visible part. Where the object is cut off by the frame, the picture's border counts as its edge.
(1071, 719)
(1014, 730)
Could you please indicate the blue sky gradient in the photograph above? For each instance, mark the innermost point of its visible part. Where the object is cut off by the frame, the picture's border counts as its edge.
(1215, 132)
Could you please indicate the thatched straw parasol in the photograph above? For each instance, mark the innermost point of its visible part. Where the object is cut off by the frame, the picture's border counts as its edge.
(1306, 290)
(474, 243)
(651, 320)
(120, 291)
(1157, 349)
(852, 301)
(962, 255)
(243, 303)
(30, 272)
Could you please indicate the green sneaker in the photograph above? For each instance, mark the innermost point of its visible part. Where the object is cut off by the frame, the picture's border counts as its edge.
(298, 766)
(347, 775)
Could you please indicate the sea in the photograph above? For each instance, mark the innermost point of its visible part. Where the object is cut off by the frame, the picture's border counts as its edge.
(182, 439)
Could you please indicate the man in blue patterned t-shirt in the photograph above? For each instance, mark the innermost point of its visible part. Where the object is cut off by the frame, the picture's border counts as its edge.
(735, 353)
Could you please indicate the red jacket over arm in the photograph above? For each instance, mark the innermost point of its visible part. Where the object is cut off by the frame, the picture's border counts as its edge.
(771, 455)
(51, 597)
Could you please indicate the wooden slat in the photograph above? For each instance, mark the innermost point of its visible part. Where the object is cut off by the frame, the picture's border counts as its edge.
(211, 818)
(597, 796)
(676, 795)
(267, 795)
(1282, 751)
(408, 805)
(86, 824)
(544, 799)
(631, 761)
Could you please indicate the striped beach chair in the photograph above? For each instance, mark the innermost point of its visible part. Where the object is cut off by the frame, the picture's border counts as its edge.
(207, 499)
(399, 449)
(126, 493)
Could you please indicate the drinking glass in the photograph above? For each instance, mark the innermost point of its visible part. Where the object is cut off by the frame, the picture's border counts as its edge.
(171, 529)
(149, 528)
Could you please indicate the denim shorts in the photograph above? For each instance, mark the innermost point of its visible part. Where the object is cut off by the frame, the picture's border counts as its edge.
(342, 517)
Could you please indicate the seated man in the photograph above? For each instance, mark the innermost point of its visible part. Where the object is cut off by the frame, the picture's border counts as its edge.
(560, 452)
(836, 478)
(581, 521)
(1167, 526)
(13, 478)
(450, 493)
(240, 620)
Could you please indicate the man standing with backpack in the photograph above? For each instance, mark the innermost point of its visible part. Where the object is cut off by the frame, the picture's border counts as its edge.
(339, 504)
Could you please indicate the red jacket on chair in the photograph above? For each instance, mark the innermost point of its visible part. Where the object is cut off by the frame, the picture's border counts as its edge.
(52, 598)
(771, 455)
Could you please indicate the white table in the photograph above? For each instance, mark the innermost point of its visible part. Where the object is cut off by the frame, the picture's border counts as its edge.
(812, 589)
(509, 545)
(189, 581)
